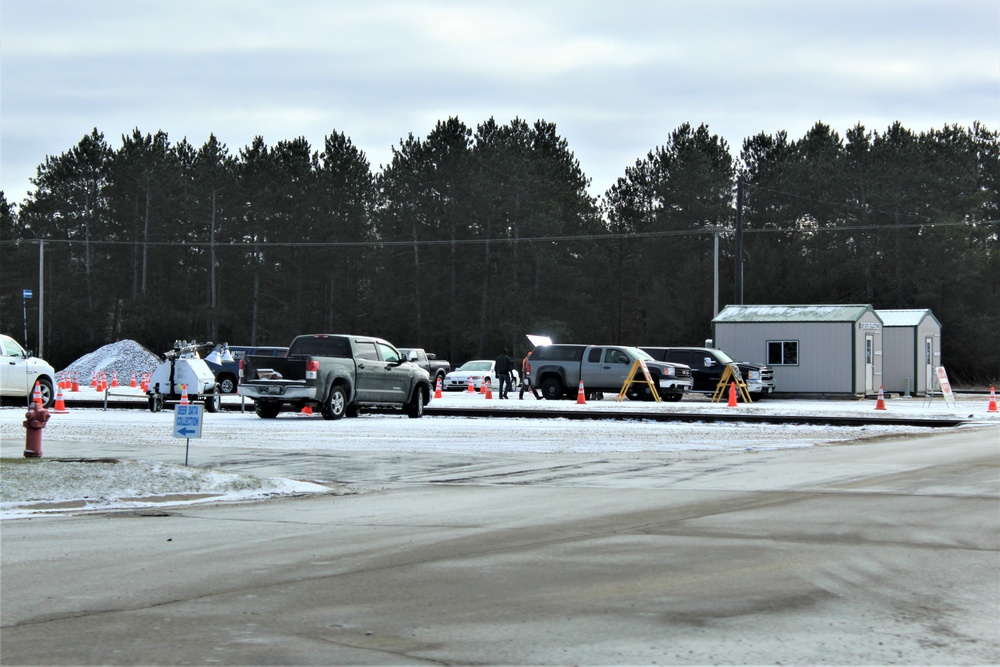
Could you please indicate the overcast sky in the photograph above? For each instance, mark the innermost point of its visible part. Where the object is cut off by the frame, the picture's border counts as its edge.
(615, 76)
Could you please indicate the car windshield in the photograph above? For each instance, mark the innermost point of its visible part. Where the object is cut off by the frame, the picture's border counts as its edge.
(475, 366)
(641, 354)
(725, 358)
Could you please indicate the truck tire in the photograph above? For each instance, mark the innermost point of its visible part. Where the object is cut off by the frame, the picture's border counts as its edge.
(640, 391)
(45, 389)
(335, 405)
(155, 402)
(673, 398)
(415, 408)
(227, 383)
(267, 409)
(552, 389)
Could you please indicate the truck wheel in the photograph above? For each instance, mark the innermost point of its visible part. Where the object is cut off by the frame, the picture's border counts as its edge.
(336, 403)
(640, 391)
(552, 389)
(267, 409)
(45, 389)
(415, 408)
(227, 383)
(213, 401)
(673, 398)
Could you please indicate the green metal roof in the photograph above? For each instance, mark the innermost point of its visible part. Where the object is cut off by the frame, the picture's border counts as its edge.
(805, 313)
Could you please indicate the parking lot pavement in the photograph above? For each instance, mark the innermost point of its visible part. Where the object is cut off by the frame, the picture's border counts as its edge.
(882, 551)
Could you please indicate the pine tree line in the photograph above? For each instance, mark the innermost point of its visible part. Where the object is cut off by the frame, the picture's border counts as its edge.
(470, 238)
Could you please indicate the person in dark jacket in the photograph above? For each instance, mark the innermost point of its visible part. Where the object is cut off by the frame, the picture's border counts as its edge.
(503, 365)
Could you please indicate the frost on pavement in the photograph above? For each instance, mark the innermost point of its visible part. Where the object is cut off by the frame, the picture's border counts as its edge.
(48, 484)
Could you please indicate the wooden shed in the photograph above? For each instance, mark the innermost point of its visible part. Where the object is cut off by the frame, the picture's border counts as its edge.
(912, 342)
(813, 349)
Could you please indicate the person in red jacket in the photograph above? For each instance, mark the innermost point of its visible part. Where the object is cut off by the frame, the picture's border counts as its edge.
(525, 379)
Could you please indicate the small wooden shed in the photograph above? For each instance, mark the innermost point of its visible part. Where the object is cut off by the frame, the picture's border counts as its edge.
(813, 349)
(912, 342)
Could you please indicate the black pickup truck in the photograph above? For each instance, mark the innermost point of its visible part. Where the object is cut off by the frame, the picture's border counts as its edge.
(708, 364)
(339, 375)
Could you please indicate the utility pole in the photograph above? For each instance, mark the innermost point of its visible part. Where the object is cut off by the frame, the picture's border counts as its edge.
(738, 297)
(41, 298)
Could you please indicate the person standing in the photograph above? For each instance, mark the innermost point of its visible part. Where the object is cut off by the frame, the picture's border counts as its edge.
(503, 365)
(526, 379)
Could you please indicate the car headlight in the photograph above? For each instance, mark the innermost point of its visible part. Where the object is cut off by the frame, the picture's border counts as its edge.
(669, 371)
(753, 375)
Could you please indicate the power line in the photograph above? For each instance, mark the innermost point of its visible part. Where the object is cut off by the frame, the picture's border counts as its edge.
(610, 236)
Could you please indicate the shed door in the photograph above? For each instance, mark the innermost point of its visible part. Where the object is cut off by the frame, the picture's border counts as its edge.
(928, 364)
(869, 364)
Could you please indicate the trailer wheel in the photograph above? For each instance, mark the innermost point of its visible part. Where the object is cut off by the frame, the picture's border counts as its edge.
(155, 402)
(267, 409)
(213, 401)
(336, 403)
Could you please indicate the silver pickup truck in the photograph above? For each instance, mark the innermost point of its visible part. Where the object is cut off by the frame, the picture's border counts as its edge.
(558, 369)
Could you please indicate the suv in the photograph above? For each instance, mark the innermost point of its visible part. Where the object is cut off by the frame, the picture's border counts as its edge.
(708, 364)
(19, 371)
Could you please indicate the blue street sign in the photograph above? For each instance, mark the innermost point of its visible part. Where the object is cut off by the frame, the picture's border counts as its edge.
(187, 420)
(27, 294)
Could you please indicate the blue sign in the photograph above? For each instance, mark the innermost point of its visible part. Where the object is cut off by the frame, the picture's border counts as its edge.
(187, 420)
(27, 294)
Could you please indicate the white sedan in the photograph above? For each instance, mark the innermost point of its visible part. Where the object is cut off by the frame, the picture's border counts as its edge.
(476, 371)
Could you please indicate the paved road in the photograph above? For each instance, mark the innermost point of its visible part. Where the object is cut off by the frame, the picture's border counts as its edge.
(882, 552)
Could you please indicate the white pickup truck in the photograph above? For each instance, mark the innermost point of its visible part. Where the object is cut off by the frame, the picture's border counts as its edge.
(19, 371)
(558, 369)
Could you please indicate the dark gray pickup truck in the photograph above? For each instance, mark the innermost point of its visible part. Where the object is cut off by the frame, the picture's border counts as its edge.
(339, 375)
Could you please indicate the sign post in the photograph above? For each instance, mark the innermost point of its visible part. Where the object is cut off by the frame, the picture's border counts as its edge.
(25, 295)
(187, 424)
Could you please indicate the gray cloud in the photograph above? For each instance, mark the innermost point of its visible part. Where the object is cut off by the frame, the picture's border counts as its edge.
(616, 78)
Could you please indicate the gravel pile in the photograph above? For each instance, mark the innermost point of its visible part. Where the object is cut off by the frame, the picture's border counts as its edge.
(124, 357)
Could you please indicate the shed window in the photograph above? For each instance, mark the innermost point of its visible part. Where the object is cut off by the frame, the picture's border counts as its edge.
(783, 352)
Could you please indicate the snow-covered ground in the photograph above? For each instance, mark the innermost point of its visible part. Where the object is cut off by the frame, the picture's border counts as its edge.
(32, 486)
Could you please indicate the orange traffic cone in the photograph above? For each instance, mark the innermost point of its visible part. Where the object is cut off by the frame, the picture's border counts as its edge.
(993, 401)
(482, 387)
(114, 378)
(732, 395)
(471, 389)
(880, 403)
(437, 389)
(145, 382)
(488, 389)
(133, 383)
(581, 396)
(60, 406)
(36, 397)
(75, 385)
(306, 410)
(102, 382)
(184, 395)
(93, 379)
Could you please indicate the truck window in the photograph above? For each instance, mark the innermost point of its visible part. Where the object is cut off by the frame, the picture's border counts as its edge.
(326, 346)
(594, 356)
(366, 350)
(388, 353)
(615, 356)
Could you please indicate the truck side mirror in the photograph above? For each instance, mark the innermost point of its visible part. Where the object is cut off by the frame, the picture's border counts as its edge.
(709, 362)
